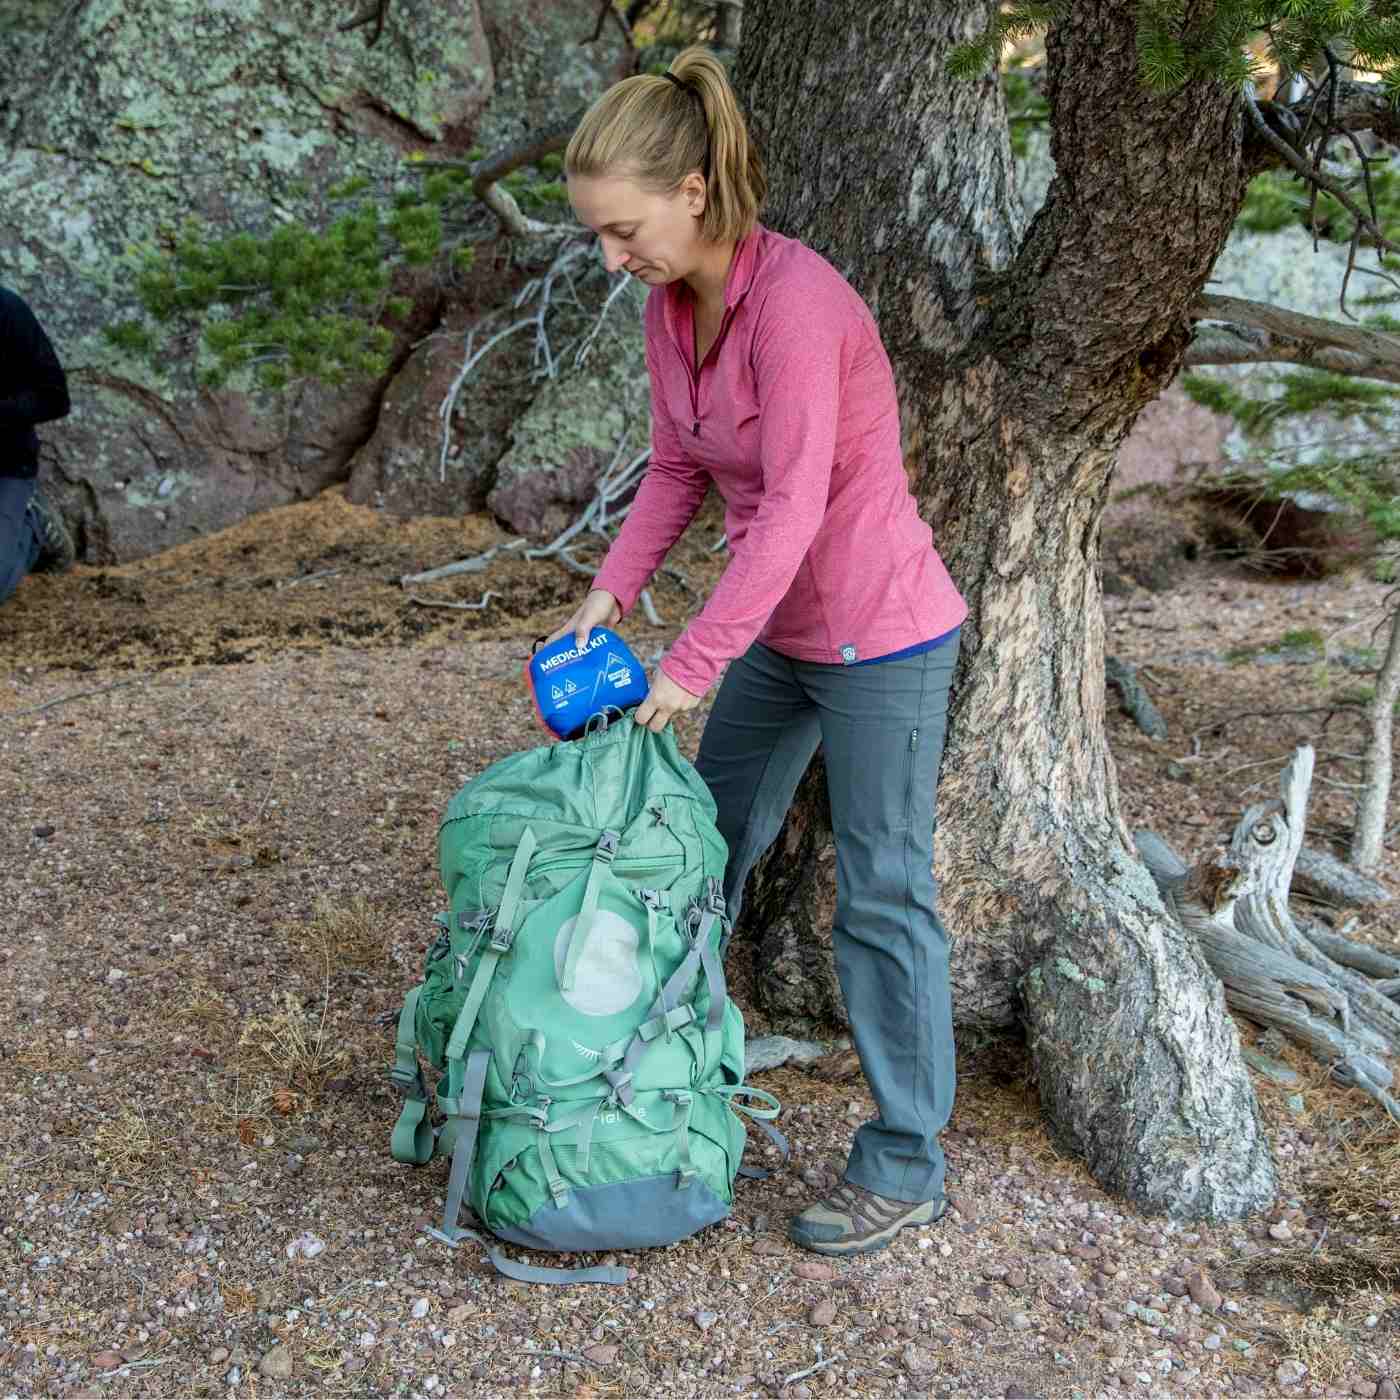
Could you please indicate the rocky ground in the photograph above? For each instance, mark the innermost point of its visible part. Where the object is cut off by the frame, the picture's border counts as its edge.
(223, 768)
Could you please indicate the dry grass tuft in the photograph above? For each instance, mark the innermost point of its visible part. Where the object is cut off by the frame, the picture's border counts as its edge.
(1364, 1189)
(124, 1141)
(203, 1004)
(296, 1051)
(238, 1299)
(1335, 1270)
(1360, 1194)
(353, 935)
(1321, 1343)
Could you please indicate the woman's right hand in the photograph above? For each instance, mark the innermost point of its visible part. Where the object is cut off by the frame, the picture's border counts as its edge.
(598, 609)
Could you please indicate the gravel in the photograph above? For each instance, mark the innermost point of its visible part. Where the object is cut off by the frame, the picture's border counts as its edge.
(186, 1217)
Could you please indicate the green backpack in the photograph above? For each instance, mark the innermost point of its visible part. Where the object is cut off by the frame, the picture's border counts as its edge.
(575, 999)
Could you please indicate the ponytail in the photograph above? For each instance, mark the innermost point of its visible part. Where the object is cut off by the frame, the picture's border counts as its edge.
(656, 130)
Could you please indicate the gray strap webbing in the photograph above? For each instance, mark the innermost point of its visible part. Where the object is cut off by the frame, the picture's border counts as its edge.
(714, 978)
(502, 936)
(778, 1141)
(515, 883)
(664, 1004)
(531, 1273)
(469, 1111)
(700, 955)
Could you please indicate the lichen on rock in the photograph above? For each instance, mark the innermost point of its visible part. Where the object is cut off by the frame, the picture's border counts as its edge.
(129, 119)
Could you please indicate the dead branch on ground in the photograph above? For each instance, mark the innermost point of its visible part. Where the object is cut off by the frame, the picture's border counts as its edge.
(1277, 973)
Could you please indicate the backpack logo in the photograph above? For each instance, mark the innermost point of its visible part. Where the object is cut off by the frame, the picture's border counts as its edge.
(609, 972)
(586, 1052)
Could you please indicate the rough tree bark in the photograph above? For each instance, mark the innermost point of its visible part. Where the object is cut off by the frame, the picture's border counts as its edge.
(1022, 360)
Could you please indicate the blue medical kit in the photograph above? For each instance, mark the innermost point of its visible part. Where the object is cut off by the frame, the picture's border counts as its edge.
(571, 686)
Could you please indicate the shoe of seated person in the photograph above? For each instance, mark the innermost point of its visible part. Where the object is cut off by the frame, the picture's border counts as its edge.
(57, 550)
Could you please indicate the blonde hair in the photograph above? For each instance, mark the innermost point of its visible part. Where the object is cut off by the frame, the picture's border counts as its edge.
(656, 130)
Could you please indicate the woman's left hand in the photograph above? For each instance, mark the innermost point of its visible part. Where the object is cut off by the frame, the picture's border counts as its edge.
(664, 699)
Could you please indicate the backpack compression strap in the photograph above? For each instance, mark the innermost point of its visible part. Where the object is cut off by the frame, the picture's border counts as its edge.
(412, 1140)
(701, 955)
(413, 1135)
(502, 936)
(735, 1096)
(467, 1108)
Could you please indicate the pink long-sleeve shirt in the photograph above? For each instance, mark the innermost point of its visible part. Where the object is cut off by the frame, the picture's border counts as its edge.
(793, 417)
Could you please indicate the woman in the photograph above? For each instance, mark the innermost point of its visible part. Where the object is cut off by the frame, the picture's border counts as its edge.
(768, 378)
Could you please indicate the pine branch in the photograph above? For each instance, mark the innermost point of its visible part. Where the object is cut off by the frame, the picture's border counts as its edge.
(1241, 345)
(1285, 326)
(1315, 177)
(1292, 153)
(489, 172)
(1358, 107)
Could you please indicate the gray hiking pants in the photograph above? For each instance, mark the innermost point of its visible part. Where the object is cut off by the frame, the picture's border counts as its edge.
(881, 728)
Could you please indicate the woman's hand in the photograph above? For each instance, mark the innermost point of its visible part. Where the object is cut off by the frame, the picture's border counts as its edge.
(664, 699)
(598, 609)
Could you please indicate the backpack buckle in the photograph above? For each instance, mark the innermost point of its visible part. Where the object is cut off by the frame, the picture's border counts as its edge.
(606, 848)
(501, 939)
(410, 1084)
(714, 896)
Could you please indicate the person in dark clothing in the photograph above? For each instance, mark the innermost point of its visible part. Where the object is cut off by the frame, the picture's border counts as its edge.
(33, 389)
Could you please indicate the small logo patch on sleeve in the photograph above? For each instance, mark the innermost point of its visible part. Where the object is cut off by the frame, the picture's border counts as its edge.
(848, 655)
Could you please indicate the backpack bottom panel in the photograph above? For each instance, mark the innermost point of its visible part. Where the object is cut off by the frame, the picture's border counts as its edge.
(638, 1214)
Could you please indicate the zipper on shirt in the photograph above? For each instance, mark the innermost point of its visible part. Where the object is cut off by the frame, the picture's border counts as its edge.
(695, 377)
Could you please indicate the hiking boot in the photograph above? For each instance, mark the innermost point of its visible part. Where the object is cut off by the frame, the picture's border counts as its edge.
(853, 1220)
(56, 548)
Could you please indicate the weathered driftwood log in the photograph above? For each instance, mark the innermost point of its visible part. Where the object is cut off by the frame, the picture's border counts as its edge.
(1374, 962)
(1325, 878)
(1273, 972)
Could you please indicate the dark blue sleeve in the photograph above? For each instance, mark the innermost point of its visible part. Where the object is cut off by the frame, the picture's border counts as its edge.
(33, 386)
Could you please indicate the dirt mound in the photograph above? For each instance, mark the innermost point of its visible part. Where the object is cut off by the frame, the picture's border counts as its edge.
(299, 578)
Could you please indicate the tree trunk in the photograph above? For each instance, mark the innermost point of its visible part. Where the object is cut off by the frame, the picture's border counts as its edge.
(1021, 363)
(1368, 840)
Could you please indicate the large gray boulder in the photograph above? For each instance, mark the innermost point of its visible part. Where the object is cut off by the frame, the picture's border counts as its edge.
(23, 25)
(128, 117)
(593, 413)
(525, 443)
